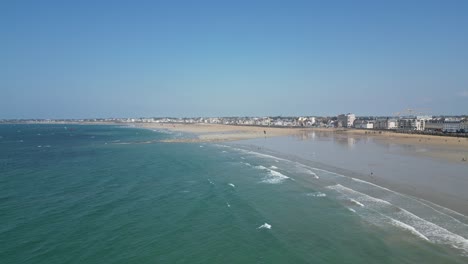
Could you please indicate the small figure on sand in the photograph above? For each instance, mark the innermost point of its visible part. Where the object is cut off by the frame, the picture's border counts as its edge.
(372, 176)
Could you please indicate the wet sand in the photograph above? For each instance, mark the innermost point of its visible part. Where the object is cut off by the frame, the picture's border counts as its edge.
(395, 166)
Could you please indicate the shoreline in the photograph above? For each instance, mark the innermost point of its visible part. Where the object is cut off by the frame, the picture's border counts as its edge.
(448, 148)
(444, 150)
(219, 132)
(451, 149)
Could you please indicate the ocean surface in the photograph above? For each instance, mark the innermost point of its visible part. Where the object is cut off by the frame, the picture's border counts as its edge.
(112, 194)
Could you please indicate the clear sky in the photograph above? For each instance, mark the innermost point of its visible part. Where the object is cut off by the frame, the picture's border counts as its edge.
(78, 59)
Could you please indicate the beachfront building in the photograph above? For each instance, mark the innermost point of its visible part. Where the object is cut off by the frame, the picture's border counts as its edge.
(421, 122)
(350, 120)
(345, 120)
(385, 123)
(434, 125)
(266, 121)
(451, 126)
(381, 123)
(408, 123)
(278, 122)
(311, 121)
(364, 124)
(214, 120)
(341, 121)
(392, 123)
(306, 121)
(464, 126)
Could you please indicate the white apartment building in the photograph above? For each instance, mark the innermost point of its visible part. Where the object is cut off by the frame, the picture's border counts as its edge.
(350, 120)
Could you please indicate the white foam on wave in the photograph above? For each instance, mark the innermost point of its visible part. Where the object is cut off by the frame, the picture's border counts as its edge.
(408, 228)
(356, 202)
(201, 146)
(261, 167)
(449, 221)
(307, 170)
(264, 226)
(390, 213)
(228, 205)
(246, 163)
(372, 184)
(232, 185)
(352, 210)
(274, 167)
(275, 177)
(212, 183)
(276, 159)
(316, 194)
(223, 151)
(162, 131)
(266, 156)
(358, 197)
(447, 212)
(313, 174)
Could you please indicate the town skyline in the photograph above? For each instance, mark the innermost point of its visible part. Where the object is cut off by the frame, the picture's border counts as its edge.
(407, 124)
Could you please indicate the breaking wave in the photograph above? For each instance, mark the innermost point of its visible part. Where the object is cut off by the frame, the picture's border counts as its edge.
(378, 211)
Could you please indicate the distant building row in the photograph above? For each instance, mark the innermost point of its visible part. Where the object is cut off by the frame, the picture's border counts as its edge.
(420, 123)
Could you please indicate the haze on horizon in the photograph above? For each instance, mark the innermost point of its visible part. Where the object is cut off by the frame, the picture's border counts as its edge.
(82, 59)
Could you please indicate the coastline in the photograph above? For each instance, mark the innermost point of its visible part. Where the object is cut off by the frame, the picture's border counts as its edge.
(438, 147)
(444, 151)
(219, 132)
(446, 148)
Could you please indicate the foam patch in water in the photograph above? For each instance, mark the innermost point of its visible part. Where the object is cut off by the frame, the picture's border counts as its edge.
(408, 228)
(316, 194)
(275, 177)
(264, 226)
(356, 202)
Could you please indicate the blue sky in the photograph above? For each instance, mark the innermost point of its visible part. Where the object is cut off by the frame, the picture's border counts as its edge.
(77, 59)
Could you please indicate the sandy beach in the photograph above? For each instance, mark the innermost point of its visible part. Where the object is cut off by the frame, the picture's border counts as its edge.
(222, 133)
(448, 148)
(216, 133)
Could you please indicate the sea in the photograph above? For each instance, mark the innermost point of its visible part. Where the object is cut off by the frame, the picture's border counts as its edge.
(119, 194)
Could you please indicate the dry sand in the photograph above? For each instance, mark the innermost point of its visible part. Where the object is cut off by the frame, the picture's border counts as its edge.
(219, 133)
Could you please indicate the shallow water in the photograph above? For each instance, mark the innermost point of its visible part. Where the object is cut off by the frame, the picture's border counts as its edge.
(95, 194)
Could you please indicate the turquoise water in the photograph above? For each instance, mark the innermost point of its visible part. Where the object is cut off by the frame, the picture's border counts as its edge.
(108, 194)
